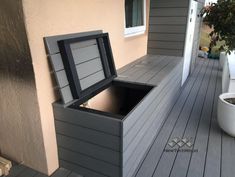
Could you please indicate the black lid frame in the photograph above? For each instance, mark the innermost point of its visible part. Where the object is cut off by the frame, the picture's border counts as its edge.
(106, 56)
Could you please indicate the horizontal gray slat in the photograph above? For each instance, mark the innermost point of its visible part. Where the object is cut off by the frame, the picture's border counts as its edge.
(66, 94)
(169, 12)
(165, 52)
(89, 68)
(62, 78)
(148, 138)
(131, 140)
(89, 163)
(92, 79)
(88, 149)
(167, 29)
(131, 119)
(156, 80)
(51, 42)
(154, 71)
(166, 45)
(166, 37)
(61, 172)
(88, 135)
(80, 170)
(83, 44)
(168, 20)
(81, 55)
(57, 62)
(169, 3)
(86, 119)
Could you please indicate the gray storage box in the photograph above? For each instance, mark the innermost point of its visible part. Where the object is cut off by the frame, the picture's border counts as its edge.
(96, 140)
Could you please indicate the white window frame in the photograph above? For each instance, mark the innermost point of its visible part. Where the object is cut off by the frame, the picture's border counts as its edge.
(137, 30)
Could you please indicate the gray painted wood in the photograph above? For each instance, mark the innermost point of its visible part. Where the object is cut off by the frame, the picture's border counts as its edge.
(212, 166)
(109, 126)
(91, 150)
(62, 172)
(167, 20)
(144, 118)
(172, 52)
(166, 37)
(149, 163)
(74, 175)
(149, 131)
(89, 163)
(171, 12)
(88, 135)
(169, 3)
(176, 29)
(85, 54)
(83, 44)
(16, 170)
(51, 41)
(92, 79)
(88, 68)
(166, 45)
(197, 161)
(54, 56)
(80, 170)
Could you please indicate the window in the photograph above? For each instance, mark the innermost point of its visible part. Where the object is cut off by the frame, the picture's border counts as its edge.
(135, 17)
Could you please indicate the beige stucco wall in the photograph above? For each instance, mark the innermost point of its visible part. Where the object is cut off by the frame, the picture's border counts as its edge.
(54, 17)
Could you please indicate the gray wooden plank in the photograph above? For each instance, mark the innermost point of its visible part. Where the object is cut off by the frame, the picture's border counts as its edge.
(51, 41)
(92, 79)
(197, 161)
(83, 44)
(89, 163)
(213, 160)
(57, 63)
(62, 78)
(166, 161)
(61, 172)
(171, 52)
(91, 150)
(81, 55)
(141, 69)
(169, 12)
(166, 45)
(167, 20)
(40, 175)
(166, 37)
(157, 117)
(156, 80)
(182, 159)
(66, 94)
(144, 118)
(133, 116)
(74, 175)
(86, 119)
(228, 156)
(88, 135)
(27, 173)
(175, 4)
(16, 170)
(149, 163)
(89, 68)
(154, 71)
(176, 29)
(80, 170)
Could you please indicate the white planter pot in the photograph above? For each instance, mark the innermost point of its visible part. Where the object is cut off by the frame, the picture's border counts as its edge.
(222, 59)
(226, 114)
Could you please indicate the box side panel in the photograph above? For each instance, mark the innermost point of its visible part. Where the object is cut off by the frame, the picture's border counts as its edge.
(86, 143)
(138, 139)
(134, 155)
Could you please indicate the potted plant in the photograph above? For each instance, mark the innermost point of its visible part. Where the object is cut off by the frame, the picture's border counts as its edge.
(220, 17)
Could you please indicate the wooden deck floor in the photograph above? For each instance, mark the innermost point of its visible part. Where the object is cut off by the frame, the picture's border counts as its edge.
(209, 152)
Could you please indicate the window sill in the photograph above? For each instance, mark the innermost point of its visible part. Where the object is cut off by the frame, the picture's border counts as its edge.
(134, 34)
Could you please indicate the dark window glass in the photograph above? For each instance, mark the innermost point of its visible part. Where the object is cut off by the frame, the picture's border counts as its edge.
(134, 13)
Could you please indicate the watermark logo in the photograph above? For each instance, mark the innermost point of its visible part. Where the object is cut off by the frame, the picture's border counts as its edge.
(180, 145)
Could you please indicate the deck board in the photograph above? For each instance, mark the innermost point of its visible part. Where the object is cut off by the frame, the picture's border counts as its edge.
(193, 116)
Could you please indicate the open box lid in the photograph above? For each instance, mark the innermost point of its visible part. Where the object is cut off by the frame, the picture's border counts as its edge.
(88, 64)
